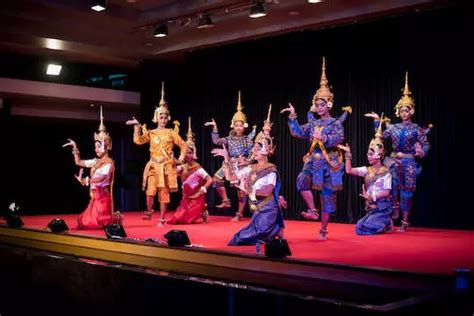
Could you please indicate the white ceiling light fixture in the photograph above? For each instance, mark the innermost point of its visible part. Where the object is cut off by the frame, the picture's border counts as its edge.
(314, 1)
(99, 5)
(54, 69)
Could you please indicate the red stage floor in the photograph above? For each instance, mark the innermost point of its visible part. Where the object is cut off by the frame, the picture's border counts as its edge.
(438, 251)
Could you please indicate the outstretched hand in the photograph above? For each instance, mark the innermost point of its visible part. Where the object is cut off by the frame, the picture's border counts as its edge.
(373, 115)
(346, 148)
(70, 143)
(133, 121)
(211, 123)
(290, 109)
(221, 152)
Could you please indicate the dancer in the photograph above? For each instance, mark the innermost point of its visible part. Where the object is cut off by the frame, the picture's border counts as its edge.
(195, 182)
(260, 181)
(239, 147)
(323, 167)
(160, 174)
(100, 211)
(378, 182)
(409, 143)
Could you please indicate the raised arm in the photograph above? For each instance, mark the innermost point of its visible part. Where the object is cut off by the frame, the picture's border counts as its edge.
(422, 146)
(75, 152)
(215, 134)
(296, 130)
(348, 157)
(139, 138)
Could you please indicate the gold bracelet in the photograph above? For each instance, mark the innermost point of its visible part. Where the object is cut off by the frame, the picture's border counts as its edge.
(292, 116)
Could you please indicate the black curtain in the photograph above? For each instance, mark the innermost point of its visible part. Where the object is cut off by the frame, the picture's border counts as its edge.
(366, 64)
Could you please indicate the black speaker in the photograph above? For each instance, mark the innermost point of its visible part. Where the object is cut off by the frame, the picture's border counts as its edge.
(14, 220)
(58, 225)
(277, 248)
(177, 238)
(115, 231)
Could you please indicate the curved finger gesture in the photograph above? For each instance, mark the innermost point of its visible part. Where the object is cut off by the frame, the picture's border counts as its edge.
(70, 143)
(290, 109)
(346, 148)
(211, 123)
(373, 115)
(133, 121)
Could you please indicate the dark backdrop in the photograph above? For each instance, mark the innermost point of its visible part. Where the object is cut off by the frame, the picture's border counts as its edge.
(365, 67)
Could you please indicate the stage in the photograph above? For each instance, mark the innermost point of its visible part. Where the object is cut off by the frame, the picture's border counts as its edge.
(388, 272)
(419, 250)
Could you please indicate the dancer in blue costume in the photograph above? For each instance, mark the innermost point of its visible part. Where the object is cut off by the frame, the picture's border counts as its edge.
(239, 147)
(409, 143)
(323, 167)
(261, 183)
(378, 181)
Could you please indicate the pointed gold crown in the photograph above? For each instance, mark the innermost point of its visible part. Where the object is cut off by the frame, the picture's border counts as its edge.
(239, 115)
(163, 108)
(406, 100)
(102, 136)
(323, 92)
(376, 144)
(190, 138)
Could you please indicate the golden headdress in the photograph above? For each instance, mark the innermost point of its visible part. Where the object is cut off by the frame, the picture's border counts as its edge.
(323, 92)
(102, 136)
(264, 138)
(376, 144)
(163, 108)
(239, 115)
(406, 99)
(190, 139)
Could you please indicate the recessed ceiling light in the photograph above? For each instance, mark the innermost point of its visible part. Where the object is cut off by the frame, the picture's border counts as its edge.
(54, 69)
(99, 5)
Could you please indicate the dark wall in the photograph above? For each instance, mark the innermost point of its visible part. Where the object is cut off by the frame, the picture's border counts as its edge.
(365, 66)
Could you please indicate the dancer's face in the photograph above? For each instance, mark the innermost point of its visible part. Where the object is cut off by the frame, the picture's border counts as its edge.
(99, 149)
(259, 152)
(405, 113)
(239, 127)
(163, 120)
(189, 155)
(373, 156)
(321, 107)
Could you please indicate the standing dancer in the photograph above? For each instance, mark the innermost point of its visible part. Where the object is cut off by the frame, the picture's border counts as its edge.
(323, 167)
(160, 176)
(239, 147)
(409, 143)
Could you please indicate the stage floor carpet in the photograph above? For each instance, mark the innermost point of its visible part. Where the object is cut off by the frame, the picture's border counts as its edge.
(419, 250)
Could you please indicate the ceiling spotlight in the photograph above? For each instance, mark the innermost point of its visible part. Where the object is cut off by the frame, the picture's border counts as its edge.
(54, 70)
(257, 10)
(314, 1)
(161, 30)
(205, 21)
(99, 5)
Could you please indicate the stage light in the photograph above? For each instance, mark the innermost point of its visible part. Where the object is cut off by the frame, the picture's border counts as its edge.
(14, 220)
(54, 70)
(257, 10)
(161, 30)
(177, 238)
(205, 21)
(115, 231)
(99, 5)
(58, 225)
(277, 248)
(314, 1)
